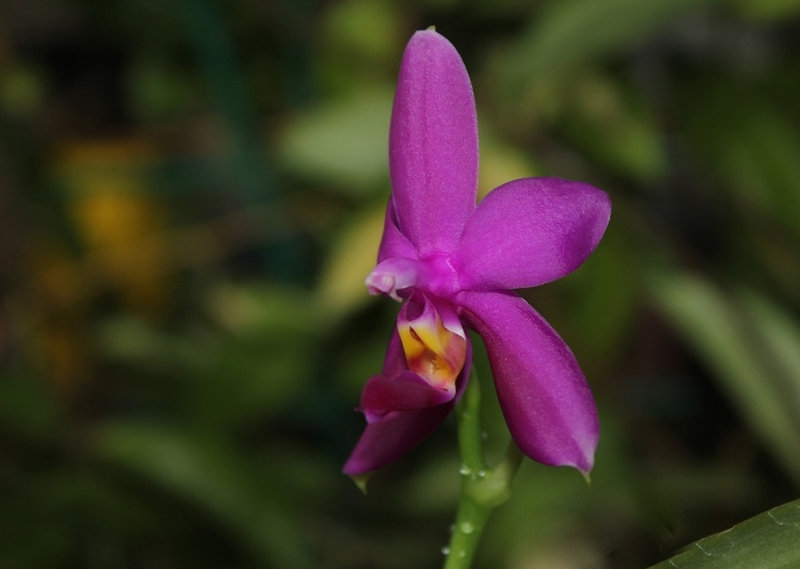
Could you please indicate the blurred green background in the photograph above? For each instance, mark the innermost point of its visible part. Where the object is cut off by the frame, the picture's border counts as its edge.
(191, 194)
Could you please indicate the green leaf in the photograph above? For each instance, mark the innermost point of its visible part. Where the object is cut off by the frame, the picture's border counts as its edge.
(501, 162)
(368, 29)
(768, 541)
(569, 33)
(251, 362)
(779, 342)
(735, 341)
(343, 142)
(749, 144)
(601, 307)
(27, 407)
(208, 473)
(613, 127)
(768, 10)
(351, 258)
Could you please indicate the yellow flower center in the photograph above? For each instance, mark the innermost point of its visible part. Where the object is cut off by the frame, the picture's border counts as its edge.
(432, 350)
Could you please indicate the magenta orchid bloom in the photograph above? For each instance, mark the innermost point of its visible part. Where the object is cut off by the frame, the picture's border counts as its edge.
(453, 264)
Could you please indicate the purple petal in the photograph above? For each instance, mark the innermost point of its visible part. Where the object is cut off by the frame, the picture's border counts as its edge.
(404, 392)
(529, 232)
(387, 438)
(394, 243)
(544, 396)
(433, 144)
(394, 363)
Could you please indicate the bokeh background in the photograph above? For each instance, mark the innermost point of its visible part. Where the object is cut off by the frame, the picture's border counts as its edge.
(191, 194)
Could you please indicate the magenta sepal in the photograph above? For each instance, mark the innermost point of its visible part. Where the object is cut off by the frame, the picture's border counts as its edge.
(399, 419)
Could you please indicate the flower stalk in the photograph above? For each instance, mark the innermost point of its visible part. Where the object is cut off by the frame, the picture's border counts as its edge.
(482, 489)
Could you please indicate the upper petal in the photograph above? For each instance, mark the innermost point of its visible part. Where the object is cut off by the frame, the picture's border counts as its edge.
(543, 394)
(433, 144)
(529, 232)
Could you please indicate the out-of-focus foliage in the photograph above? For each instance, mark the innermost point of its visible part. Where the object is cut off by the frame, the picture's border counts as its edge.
(752, 347)
(192, 192)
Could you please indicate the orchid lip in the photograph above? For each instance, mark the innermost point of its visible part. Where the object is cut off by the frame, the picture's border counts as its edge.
(434, 342)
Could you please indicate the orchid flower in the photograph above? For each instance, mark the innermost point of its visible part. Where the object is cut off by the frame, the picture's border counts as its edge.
(454, 265)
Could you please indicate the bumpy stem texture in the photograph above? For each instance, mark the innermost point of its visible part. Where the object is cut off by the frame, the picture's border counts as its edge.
(482, 489)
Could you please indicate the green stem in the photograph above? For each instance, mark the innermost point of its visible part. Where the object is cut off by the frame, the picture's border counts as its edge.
(482, 489)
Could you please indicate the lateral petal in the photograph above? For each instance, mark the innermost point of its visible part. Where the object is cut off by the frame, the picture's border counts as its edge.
(388, 437)
(433, 144)
(386, 440)
(404, 392)
(529, 232)
(544, 395)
